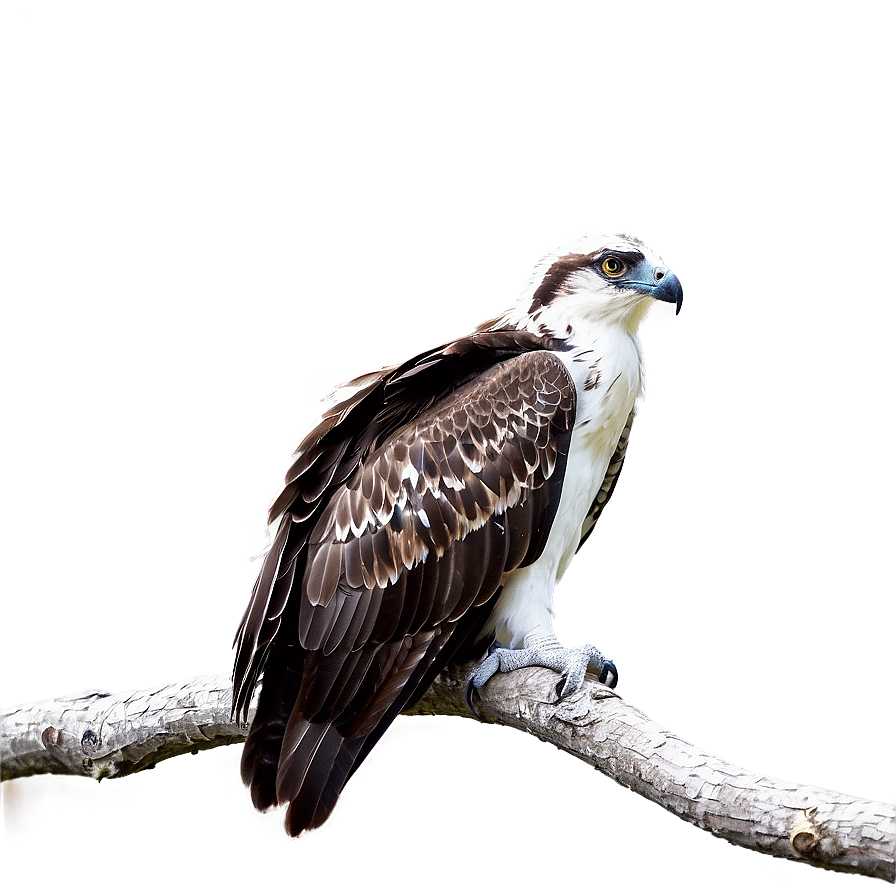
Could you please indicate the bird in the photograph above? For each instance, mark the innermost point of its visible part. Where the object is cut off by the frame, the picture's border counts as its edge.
(429, 516)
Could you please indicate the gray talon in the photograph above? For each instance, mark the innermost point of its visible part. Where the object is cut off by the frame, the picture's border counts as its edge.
(539, 650)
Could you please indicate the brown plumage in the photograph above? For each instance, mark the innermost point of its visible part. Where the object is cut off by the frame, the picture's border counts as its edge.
(428, 513)
(401, 514)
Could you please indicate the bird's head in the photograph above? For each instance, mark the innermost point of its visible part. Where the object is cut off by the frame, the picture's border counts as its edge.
(601, 280)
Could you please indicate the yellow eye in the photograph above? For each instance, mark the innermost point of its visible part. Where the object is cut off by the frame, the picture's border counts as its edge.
(613, 267)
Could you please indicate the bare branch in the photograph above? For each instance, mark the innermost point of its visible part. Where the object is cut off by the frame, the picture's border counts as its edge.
(111, 735)
(102, 735)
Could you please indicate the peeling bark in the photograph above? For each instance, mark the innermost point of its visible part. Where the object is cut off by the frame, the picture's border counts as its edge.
(103, 735)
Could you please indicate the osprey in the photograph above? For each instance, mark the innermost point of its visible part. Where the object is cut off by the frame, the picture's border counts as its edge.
(434, 511)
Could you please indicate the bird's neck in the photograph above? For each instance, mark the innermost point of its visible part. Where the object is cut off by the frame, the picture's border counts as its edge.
(575, 325)
(579, 318)
(594, 345)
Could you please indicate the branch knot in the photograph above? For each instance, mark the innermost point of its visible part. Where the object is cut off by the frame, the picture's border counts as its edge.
(804, 836)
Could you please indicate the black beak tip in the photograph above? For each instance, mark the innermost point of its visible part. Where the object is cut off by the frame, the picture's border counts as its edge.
(670, 291)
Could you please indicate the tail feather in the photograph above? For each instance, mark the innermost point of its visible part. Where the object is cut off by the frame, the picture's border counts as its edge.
(261, 753)
(343, 767)
(304, 768)
(321, 772)
(289, 759)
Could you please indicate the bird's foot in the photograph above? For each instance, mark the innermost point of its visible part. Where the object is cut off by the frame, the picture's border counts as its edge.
(468, 693)
(540, 650)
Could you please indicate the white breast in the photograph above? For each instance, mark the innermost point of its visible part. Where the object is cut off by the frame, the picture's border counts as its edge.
(607, 376)
(602, 410)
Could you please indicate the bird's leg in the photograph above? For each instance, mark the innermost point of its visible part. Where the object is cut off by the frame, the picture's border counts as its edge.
(540, 649)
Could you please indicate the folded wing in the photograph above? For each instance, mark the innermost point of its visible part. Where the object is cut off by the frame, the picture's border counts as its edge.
(401, 515)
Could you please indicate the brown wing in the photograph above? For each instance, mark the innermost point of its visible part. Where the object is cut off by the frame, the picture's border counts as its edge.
(362, 601)
(332, 453)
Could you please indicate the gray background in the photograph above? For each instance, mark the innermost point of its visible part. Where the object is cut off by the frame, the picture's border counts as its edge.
(213, 213)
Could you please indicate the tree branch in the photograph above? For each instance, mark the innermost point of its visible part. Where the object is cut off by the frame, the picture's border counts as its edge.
(103, 735)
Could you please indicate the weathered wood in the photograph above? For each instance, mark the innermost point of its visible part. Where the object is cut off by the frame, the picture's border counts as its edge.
(103, 735)
(794, 821)
(111, 735)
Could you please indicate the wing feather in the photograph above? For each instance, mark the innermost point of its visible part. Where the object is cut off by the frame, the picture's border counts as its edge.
(395, 673)
(280, 592)
(342, 621)
(417, 514)
(403, 599)
(365, 632)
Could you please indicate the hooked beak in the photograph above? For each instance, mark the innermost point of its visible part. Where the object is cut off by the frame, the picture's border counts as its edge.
(660, 283)
(668, 288)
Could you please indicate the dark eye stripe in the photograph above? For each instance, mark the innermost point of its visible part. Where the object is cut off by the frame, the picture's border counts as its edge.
(632, 259)
(559, 272)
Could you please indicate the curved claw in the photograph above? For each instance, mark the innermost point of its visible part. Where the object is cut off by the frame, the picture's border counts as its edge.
(482, 673)
(608, 674)
(578, 661)
(573, 678)
(468, 697)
